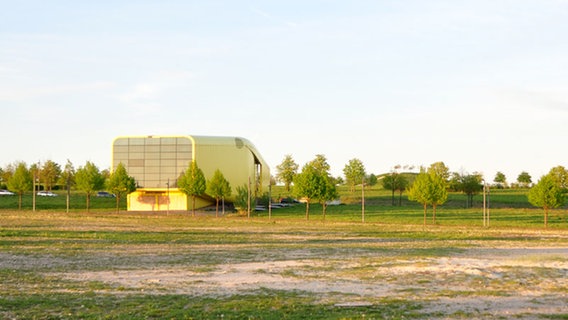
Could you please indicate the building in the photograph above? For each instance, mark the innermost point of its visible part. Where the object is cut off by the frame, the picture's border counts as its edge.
(156, 162)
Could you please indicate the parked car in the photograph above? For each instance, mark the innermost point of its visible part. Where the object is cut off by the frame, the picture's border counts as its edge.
(6, 193)
(104, 194)
(46, 194)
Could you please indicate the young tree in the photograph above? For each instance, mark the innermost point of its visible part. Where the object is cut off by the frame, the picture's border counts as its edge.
(286, 171)
(218, 187)
(438, 192)
(20, 182)
(89, 180)
(327, 191)
(372, 180)
(192, 182)
(67, 179)
(401, 185)
(395, 182)
(524, 179)
(120, 183)
(49, 174)
(419, 191)
(500, 179)
(307, 185)
(354, 172)
(469, 184)
(429, 188)
(547, 195)
(241, 199)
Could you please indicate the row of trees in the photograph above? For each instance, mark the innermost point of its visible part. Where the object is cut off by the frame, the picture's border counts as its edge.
(429, 187)
(192, 182)
(20, 178)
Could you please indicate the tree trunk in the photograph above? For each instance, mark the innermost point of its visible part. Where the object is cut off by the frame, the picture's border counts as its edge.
(545, 217)
(217, 208)
(392, 198)
(117, 203)
(308, 209)
(324, 207)
(88, 201)
(434, 213)
(20, 201)
(400, 198)
(425, 208)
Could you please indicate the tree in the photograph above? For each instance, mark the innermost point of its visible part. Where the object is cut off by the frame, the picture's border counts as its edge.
(395, 182)
(327, 191)
(49, 174)
(429, 188)
(286, 171)
(192, 182)
(6, 174)
(89, 180)
(400, 186)
(354, 172)
(547, 195)
(67, 179)
(438, 192)
(372, 179)
(20, 182)
(469, 184)
(241, 199)
(500, 179)
(524, 179)
(419, 191)
(307, 185)
(218, 187)
(560, 176)
(120, 183)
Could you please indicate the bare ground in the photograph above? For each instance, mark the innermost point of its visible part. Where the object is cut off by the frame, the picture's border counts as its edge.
(484, 282)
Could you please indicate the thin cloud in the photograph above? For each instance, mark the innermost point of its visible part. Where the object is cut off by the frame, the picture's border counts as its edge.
(19, 94)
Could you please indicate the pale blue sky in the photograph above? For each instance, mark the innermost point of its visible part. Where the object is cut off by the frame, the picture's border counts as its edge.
(481, 84)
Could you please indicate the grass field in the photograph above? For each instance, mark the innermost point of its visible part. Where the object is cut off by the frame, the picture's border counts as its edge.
(107, 265)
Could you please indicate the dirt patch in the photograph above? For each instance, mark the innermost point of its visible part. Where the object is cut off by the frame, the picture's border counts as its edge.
(485, 282)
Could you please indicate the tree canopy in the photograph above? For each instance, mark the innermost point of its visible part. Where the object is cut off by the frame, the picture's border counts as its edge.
(286, 171)
(500, 179)
(524, 179)
(354, 172)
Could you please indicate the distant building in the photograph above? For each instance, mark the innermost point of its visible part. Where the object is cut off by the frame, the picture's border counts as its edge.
(156, 162)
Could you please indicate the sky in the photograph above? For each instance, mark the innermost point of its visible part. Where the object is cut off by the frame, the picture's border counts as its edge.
(478, 84)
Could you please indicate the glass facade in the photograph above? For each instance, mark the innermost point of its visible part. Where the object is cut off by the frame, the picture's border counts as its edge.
(153, 161)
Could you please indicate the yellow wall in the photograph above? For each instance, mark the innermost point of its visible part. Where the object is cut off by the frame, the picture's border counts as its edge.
(157, 200)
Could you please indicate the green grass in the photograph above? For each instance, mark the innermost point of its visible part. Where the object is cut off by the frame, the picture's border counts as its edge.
(37, 247)
(77, 202)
